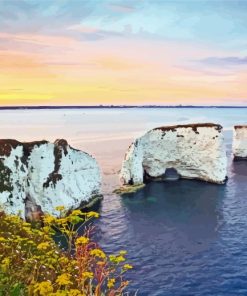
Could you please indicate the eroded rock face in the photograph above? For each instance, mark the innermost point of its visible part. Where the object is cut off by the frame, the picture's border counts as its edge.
(240, 142)
(195, 151)
(36, 177)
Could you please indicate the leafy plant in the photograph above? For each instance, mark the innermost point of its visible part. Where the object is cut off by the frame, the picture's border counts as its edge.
(31, 263)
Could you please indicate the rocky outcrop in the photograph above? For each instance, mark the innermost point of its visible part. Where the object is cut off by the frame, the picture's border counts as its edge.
(240, 142)
(195, 151)
(36, 177)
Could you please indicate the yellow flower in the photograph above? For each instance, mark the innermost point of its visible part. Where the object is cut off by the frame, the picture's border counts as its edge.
(112, 258)
(60, 208)
(82, 241)
(26, 224)
(43, 288)
(43, 246)
(120, 259)
(48, 219)
(28, 230)
(98, 253)
(92, 215)
(123, 252)
(111, 283)
(66, 231)
(127, 266)
(87, 275)
(64, 279)
(75, 292)
(18, 239)
(73, 263)
(59, 293)
(63, 260)
(48, 230)
(116, 259)
(62, 221)
(76, 213)
(5, 264)
(2, 239)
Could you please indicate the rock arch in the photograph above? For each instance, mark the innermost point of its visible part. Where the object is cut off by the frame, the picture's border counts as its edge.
(171, 174)
(240, 142)
(195, 151)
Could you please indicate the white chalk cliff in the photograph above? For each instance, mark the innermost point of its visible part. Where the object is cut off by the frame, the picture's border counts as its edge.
(36, 177)
(240, 141)
(195, 151)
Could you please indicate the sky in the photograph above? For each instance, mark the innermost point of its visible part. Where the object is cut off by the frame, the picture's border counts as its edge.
(136, 52)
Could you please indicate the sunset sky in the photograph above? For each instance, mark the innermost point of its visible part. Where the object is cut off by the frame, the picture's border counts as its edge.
(75, 52)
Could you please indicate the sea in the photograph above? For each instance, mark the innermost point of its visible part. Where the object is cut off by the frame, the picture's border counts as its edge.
(184, 237)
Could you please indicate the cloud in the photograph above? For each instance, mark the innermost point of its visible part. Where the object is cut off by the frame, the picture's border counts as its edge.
(224, 61)
(207, 71)
(121, 8)
(45, 15)
(90, 33)
(179, 20)
(38, 39)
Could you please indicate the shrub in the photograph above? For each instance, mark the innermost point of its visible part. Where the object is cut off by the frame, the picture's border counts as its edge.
(31, 263)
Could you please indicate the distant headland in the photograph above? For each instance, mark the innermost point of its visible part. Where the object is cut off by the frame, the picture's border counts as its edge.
(112, 107)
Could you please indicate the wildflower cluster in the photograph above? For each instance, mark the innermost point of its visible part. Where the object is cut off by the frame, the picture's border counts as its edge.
(31, 263)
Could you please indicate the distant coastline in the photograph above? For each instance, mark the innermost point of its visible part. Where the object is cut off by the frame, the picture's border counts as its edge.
(112, 107)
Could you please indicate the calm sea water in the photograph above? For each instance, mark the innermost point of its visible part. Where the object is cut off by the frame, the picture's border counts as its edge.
(185, 237)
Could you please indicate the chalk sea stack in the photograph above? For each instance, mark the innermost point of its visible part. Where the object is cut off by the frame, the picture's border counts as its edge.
(240, 142)
(35, 177)
(194, 151)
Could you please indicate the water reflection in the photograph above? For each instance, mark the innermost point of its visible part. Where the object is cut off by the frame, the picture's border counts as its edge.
(187, 209)
(167, 227)
(239, 167)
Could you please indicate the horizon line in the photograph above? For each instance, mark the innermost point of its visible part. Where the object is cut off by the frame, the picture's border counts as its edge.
(14, 107)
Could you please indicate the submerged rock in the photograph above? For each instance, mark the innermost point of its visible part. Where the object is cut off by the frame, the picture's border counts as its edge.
(36, 177)
(240, 142)
(127, 189)
(194, 151)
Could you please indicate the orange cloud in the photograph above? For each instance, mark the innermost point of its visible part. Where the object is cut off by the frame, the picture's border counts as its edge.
(62, 70)
(44, 40)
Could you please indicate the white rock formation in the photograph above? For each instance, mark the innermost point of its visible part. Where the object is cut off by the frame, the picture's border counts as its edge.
(195, 151)
(240, 141)
(38, 176)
